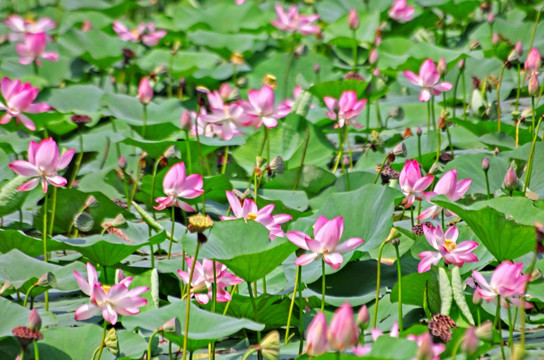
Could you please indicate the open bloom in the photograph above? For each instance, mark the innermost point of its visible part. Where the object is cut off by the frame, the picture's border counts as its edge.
(177, 185)
(145, 91)
(225, 118)
(249, 210)
(19, 98)
(346, 109)
(43, 164)
(448, 249)
(327, 234)
(507, 282)
(412, 183)
(108, 300)
(21, 26)
(449, 186)
(343, 332)
(426, 348)
(33, 48)
(260, 110)
(201, 286)
(316, 336)
(401, 12)
(145, 33)
(428, 78)
(293, 21)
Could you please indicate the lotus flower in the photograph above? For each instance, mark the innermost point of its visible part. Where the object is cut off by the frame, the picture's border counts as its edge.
(201, 286)
(533, 62)
(327, 234)
(394, 332)
(226, 118)
(43, 164)
(21, 26)
(260, 110)
(145, 33)
(293, 21)
(145, 91)
(428, 79)
(111, 300)
(449, 186)
(412, 183)
(448, 249)
(401, 12)
(343, 332)
(177, 185)
(346, 109)
(316, 336)
(249, 210)
(426, 348)
(19, 98)
(33, 48)
(507, 282)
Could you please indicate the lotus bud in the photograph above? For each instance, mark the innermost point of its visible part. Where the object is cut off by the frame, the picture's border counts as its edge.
(186, 122)
(485, 331)
(343, 332)
(316, 336)
(373, 57)
(317, 68)
(34, 320)
(172, 326)
(442, 66)
(363, 317)
(353, 19)
(519, 48)
(495, 39)
(122, 162)
(112, 342)
(400, 150)
(270, 346)
(490, 18)
(145, 91)
(91, 202)
(533, 62)
(533, 85)
(418, 131)
(511, 179)
(485, 164)
(86, 26)
(6, 286)
(47, 280)
(425, 350)
(469, 344)
(461, 64)
(496, 151)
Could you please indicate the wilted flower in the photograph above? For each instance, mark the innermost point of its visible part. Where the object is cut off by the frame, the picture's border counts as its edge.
(33, 48)
(177, 185)
(428, 78)
(293, 21)
(327, 234)
(145, 33)
(401, 12)
(43, 164)
(145, 91)
(19, 98)
(346, 109)
(412, 183)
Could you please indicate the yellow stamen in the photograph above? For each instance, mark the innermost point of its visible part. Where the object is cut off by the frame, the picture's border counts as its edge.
(106, 288)
(251, 216)
(450, 244)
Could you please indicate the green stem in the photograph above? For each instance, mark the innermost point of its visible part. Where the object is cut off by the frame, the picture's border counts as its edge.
(498, 322)
(44, 239)
(149, 343)
(188, 148)
(499, 99)
(354, 52)
(78, 161)
(188, 308)
(22, 354)
(290, 63)
(438, 136)
(153, 182)
(28, 293)
(531, 158)
(340, 150)
(300, 313)
(267, 145)
(145, 120)
(428, 116)
(53, 208)
(533, 116)
(381, 168)
(399, 285)
(291, 306)
(136, 180)
(368, 116)
(378, 114)
(225, 159)
(419, 147)
(214, 300)
(518, 89)
(346, 141)
(412, 215)
(456, 347)
(510, 330)
(323, 284)
(464, 94)
(102, 345)
(455, 92)
(255, 310)
(301, 166)
(487, 185)
(173, 218)
(529, 271)
(36, 68)
(378, 276)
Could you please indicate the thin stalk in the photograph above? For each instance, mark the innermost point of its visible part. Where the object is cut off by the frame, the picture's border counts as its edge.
(28, 293)
(400, 285)
(145, 120)
(531, 158)
(533, 114)
(188, 308)
(529, 271)
(354, 52)
(101, 346)
(78, 161)
(346, 141)
(378, 275)
(36, 68)
(291, 306)
(368, 116)
(428, 116)
(228, 302)
(214, 300)
(464, 94)
(323, 284)
(438, 136)
(299, 172)
(498, 322)
(412, 215)
(173, 218)
(149, 343)
(381, 168)
(53, 208)
(419, 147)
(136, 180)
(36, 351)
(225, 160)
(518, 89)
(188, 148)
(455, 92)
(22, 354)
(118, 149)
(300, 313)
(340, 150)
(290, 63)
(378, 114)
(499, 99)
(487, 185)
(153, 182)
(255, 310)
(510, 330)
(456, 347)
(267, 135)
(44, 239)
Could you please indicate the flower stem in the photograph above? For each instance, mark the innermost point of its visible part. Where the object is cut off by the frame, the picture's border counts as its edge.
(300, 312)
(101, 346)
(214, 300)
(291, 306)
(188, 308)
(510, 330)
(533, 113)
(455, 92)
(136, 179)
(149, 344)
(412, 215)
(78, 161)
(487, 185)
(531, 158)
(290, 63)
(378, 273)
(225, 159)
(340, 150)
(301, 166)
(153, 182)
(419, 147)
(354, 52)
(53, 208)
(438, 136)
(188, 148)
(44, 239)
(499, 99)
(255, 310)
(346, 141)
(28, 293)
(529, 271)
(400, 284)
(380, 169)
(173, 218)
(145, 120)
(518, 89)
(322, 284)
(498, 322)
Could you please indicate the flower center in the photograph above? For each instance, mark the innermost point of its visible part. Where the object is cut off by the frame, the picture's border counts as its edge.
(251, 216)
(450, 244)
(106, 288)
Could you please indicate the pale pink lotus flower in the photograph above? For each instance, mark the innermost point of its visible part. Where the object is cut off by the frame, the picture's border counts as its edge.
(448, 249)
(33, 49)
(145, 91)
(177, 185)
(346, 109)
(353, 19)
(239, 2)
(145, 33)
(21, 26)
(287, 104)
(363, 317)
(412, 183)
(327, 234)
(428, 78)
(249, 210)
(200, 125)
(426, 348)
(293, 21)
(316, 336)
(401, 12)
(507, 282)
(185, 121)
(43, 164)
(533, 62)
(449, 186)
(510, 179)
(19, 98)
(203, 278)
(227, 93)
(111, 301)
(226, 118)
(260, 110)
(343, 332)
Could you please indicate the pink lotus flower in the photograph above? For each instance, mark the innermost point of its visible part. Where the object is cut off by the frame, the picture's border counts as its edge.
(316, 336)
(249, 210)
(110, 300)
(448, 249)
(19, 98)
(401, 12)
(327, 234)
(145, 91)
(259, 109)
(227, 93)
(343, 332)
(353, 19)
(394, 332)
(449, 186)
(200, 125)
(33, 49)
(145, 33)
(21, 26)
(426, 348)
(177, 185)
(201, 286)
(412, 183)
(533, 62)
(225, 117)
(507, 282)
(293, 21)
(428, 79)
(346, 109)
(43, 164)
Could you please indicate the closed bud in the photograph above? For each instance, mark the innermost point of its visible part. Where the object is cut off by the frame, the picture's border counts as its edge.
(485, 164)
(172, 326)
(145, 91)
(316, 336)
(6, 286)
(34, 320)
(442, 66)
(511, 179)
(363, 317)
(461, 64)
(519, 48)
(490, 18)
(353, 19)
(495, 39)
(400, 150)
(122, 162)
(485, 330)
(343, 332)
(469, 344)
(418, 131)
(425, 350)
(270, 346)
(47, 280)
(533, 62)
(373, 57)
(533, 85)
(186, 122)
